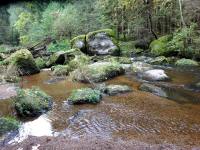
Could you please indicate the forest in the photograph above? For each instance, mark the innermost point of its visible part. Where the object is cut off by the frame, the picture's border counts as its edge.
(100, 74)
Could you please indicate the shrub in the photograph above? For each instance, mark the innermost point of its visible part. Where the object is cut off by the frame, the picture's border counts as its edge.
(62, 45)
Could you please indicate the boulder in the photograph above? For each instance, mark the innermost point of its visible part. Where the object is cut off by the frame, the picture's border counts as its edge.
(140, 67)
(154, 75)
(102, 42)
(2, 56)
(60, 70)
(98, 72)
(32, 102)
(186, 62)
(40, 62)
(153, 89)
(159, 60)
(23, 62)
(8, 124)
(79, 42)
(159, 47)
(85, 96)
(117, 89)
(63, 57)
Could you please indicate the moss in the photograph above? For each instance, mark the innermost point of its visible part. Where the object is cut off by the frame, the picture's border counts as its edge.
(159, 47)
(84, 96)
(40, 62)
(23, 62)
(186, 62)
(160, 60)
(8, 124)
(98, 72)
(109, 32)
(60, 70)
(78, 38)
(78, 61)
(32, 102)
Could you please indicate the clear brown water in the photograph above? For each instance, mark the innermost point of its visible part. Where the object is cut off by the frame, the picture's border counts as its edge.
(134, 116)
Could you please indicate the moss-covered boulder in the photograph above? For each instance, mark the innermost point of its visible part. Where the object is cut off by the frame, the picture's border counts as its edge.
(102, 42)
(186, 63)
(78, 61)
(79, 42)
(2, 56)
(117, 89)
(40, 62)
(98, 72)
(128, 48)
(159, 60)
(85, 96)
(32, 102)
(8, 124)
(60, 70)
(63, 57)
(23, 62)
(159, 47)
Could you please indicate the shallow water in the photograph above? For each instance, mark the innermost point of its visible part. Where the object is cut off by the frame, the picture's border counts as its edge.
(137, 115)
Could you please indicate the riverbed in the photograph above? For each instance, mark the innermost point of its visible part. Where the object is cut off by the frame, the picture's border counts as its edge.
(135, 116)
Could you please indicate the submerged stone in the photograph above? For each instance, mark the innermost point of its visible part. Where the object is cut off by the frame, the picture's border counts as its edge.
(117, 89)
(98, 72)
(85, 96)
(153, 89)
(32, 102)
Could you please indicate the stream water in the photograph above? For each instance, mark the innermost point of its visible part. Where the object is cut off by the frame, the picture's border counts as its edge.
(137, 115)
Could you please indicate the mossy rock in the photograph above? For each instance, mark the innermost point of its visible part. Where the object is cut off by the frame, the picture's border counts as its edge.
(78, 61)
(32, 102)
(159, 47)
(79, 42)
(186, 63)
(8, 124)
(159, 60)
(2, 56)
(102, 42)
(109, 32)
(60, 70)
(117, 89)
(98, 72)
(23, 62)
(40, 62)
(85, 96)
(120, 60)
(63, 57)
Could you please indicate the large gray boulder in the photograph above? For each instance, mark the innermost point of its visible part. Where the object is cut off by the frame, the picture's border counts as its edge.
(102, 42)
